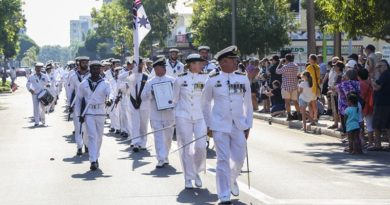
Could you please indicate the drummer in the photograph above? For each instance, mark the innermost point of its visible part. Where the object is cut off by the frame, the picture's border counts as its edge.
(37, 83)
(190, 124)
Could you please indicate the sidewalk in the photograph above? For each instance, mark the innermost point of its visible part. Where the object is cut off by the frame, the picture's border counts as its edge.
(322, 127)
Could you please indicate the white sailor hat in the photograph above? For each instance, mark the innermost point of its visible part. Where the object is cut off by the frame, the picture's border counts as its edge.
(203, 48)
(117, 68)
(82, 58)
(229, 52)
(174, 50)
(70, 63)
(115, 61)
(159, 62)
(106, 63)
(193, 58)
(39, 64)
(95, 63)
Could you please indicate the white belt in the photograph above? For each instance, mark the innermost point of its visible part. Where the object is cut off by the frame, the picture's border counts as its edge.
(97, 106)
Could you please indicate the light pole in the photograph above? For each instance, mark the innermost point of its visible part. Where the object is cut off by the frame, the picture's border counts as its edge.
(234, 16)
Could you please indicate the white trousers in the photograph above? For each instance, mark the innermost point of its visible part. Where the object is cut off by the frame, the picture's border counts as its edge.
(95, 127)
(114, 117)
(193, 156)
(162, 139)
(231, 152)
(139, 126)
(124, 117)
(39, 110)
(81, 138)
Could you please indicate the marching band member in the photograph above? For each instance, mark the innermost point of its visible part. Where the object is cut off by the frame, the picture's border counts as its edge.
(54, 80)
(204, 53)
(160, 118)
(190, 124)
(114, 110)
(139, 109)
(94, 91)
(35, 84)
(230, 118)
(74, 82)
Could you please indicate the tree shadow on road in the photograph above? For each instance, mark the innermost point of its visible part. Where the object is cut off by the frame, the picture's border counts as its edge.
(76, 159)
(91, 175)
(196, 197)
(163, 172)
(369, 164)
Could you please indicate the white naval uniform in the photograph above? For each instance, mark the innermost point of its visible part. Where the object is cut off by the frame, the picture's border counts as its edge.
(75, 80)
(67, 85)
(114, 110)
(95, 113)
(124, 104)
(229, 116)
(160, 119)
(54, 83)
(138, 116)
(190, 124)
(173, 69)
(37, 84)
(209, 67)
(109, 75)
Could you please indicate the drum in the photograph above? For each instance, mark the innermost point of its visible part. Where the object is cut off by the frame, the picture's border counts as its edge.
(45, 97)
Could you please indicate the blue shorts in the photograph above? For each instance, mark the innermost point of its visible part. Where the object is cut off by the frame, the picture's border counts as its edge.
(303, 103)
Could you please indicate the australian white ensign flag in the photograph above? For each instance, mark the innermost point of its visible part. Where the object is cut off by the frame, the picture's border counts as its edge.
(141, 26)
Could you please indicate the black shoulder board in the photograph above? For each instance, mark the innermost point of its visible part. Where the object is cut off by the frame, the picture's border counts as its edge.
(182, 74)
(240, 73)
(214, 74)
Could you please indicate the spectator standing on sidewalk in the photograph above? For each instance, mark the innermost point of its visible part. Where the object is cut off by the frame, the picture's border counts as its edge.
(352, 113)
(272, 70)
(381, 118)
(371, 62)
(305, 97)
(335, 78)
(314, 71)
(366, 94)
(252, 72)
(349, 84)
(289, 71)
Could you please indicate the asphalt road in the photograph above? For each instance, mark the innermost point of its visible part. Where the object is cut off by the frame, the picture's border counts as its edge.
(286, 167)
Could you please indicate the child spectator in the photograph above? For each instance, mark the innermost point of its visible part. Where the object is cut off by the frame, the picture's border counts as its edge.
(305, 97)
(366, 94)
(352, 113)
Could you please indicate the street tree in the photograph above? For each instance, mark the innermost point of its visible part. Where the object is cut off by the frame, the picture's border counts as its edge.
(25, 44)
(55, 53)
(358, 18)
(30, 57)
(262, 25)
(115, 20)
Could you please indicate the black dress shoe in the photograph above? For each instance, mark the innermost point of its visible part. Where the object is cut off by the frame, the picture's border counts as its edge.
(111, 130)
(117, 132)
(136, 149)
(125, 135)
(94, 166)
(79, 152)
(225, 202)
(122, 133)
(86, 149)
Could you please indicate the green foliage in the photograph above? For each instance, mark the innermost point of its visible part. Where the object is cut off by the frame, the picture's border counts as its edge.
(262, 25)
(358, 17)
(30, 57)
(25, 44)
(55, 53)
(95, 47)
(6, 87)
(115, 21)
(11, 21)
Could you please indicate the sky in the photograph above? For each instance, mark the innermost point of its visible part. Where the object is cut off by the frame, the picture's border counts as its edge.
(48, 20)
